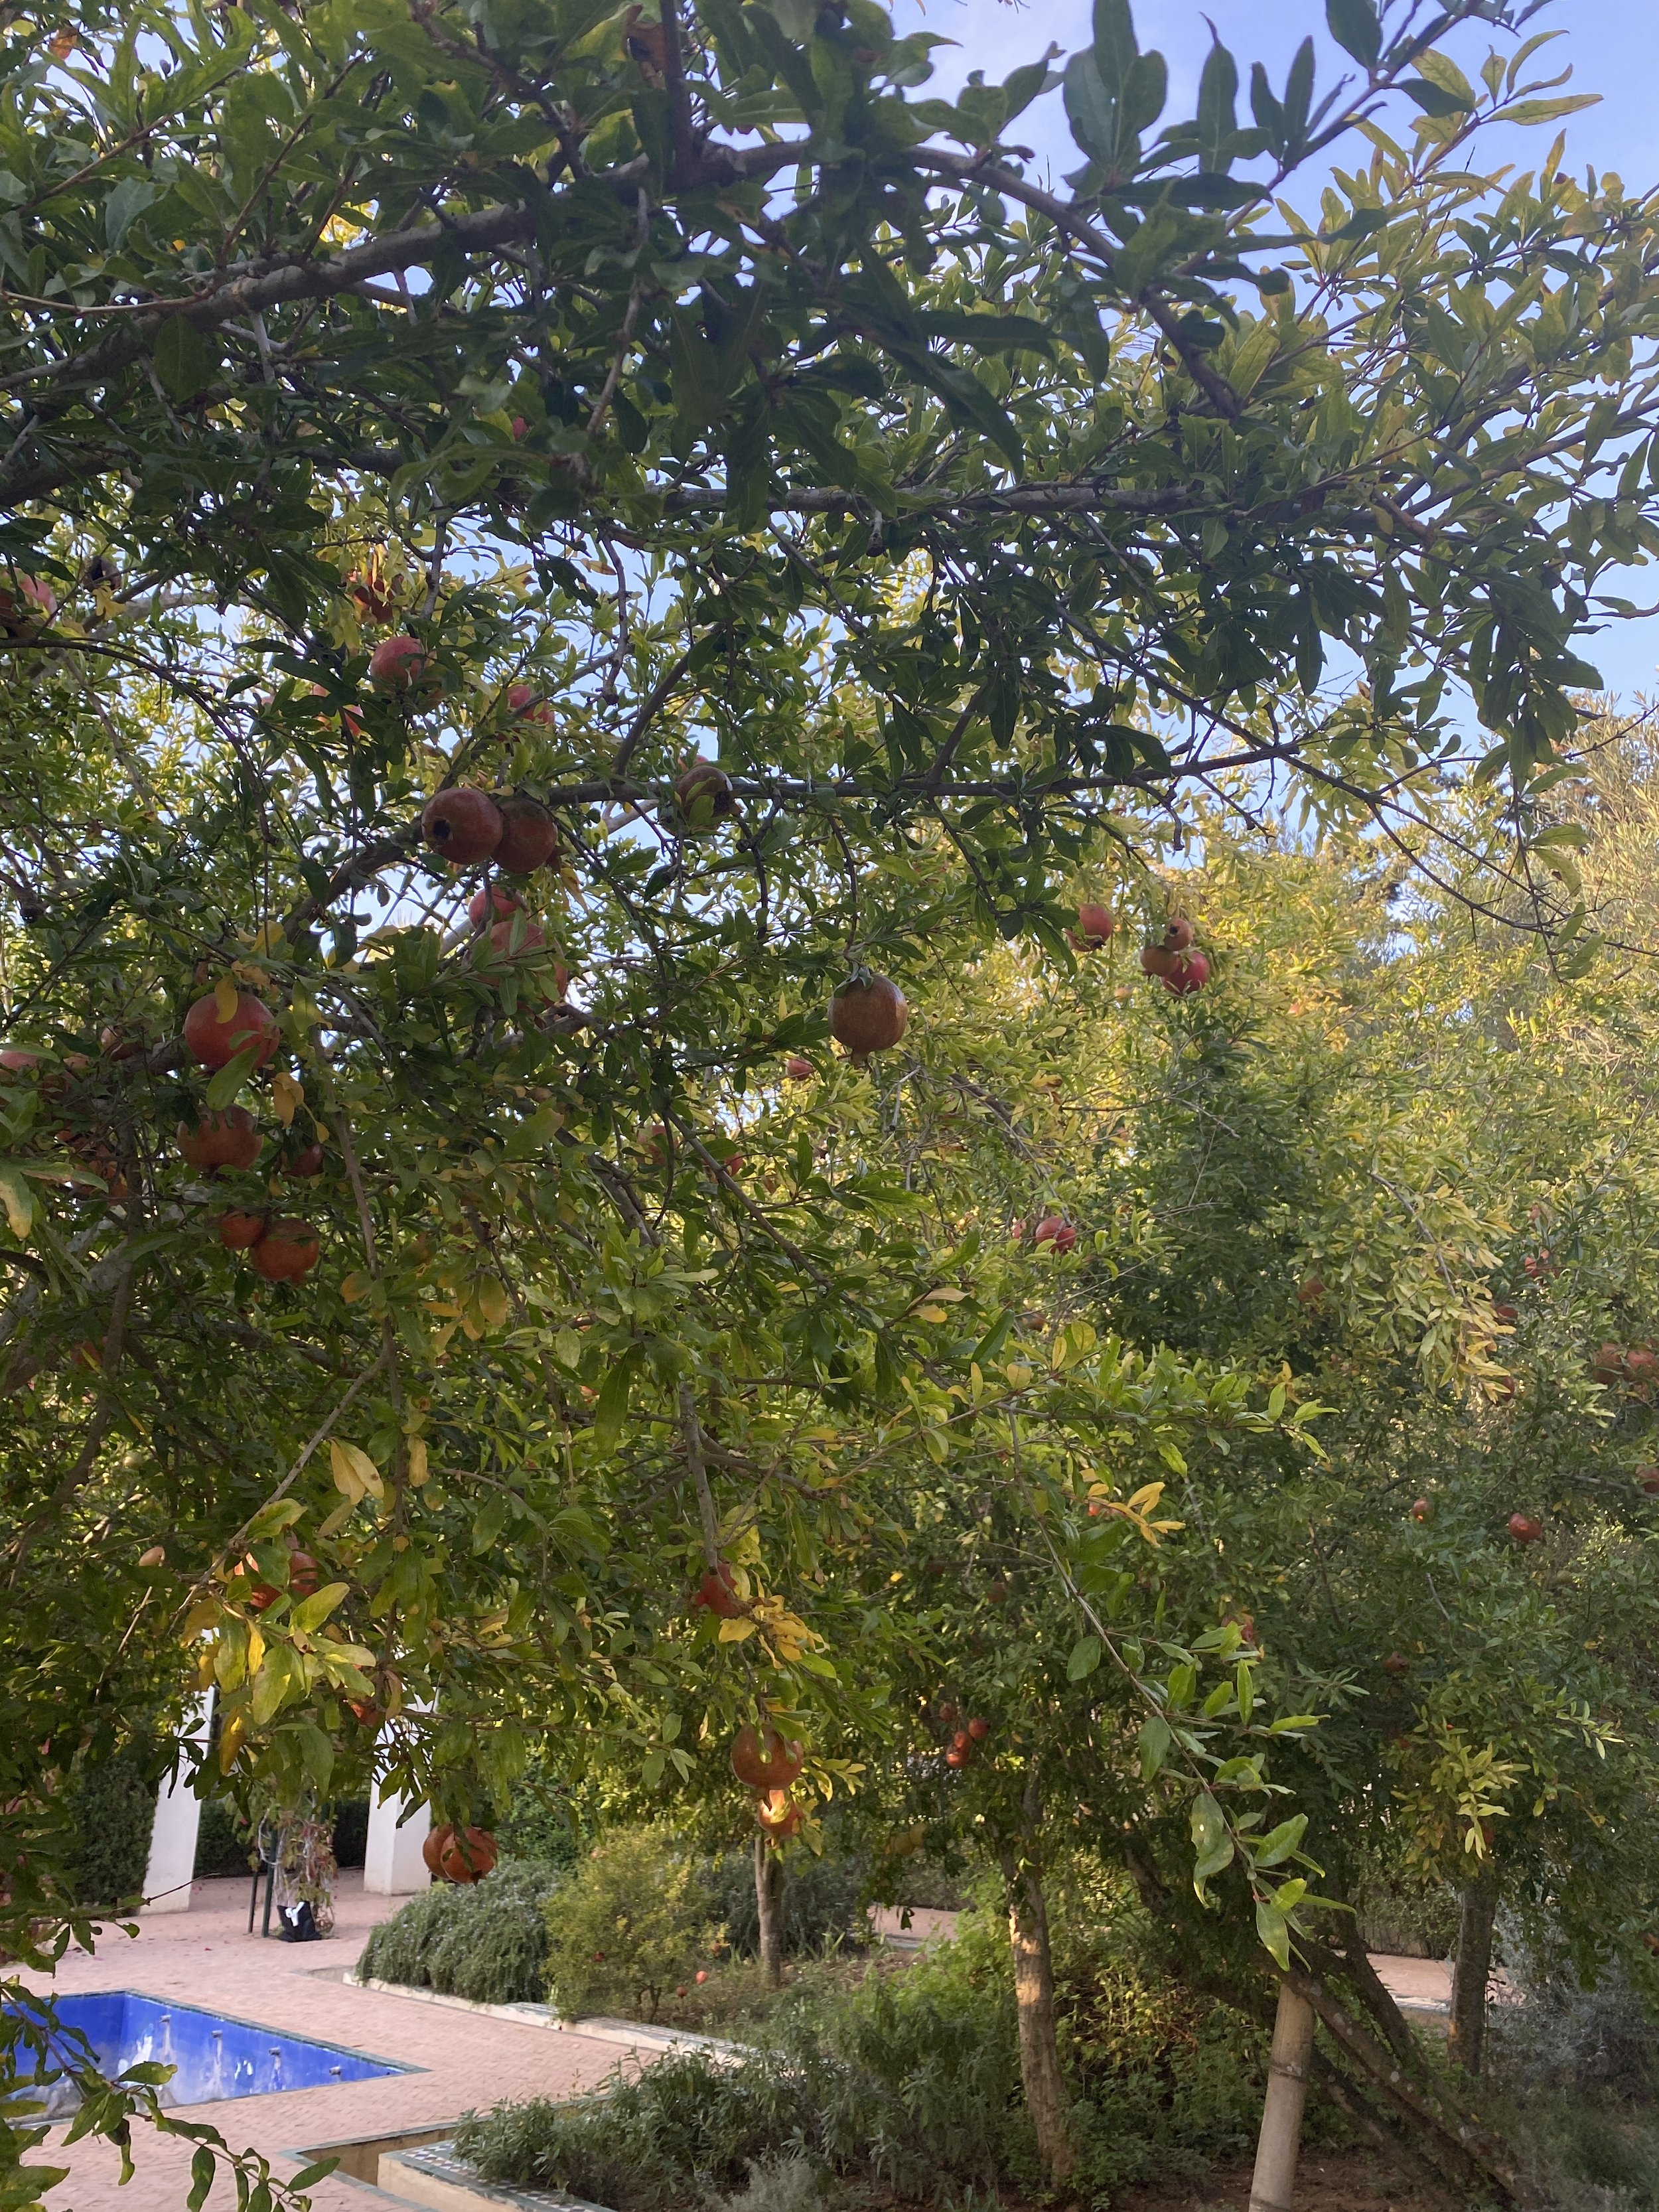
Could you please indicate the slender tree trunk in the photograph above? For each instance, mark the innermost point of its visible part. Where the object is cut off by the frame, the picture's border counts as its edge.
(1034, 2000)
(767, 1905)
(1472, 1969)
(1272, 2186)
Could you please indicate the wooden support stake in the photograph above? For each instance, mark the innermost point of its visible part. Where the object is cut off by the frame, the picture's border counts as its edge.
(1273, 2187)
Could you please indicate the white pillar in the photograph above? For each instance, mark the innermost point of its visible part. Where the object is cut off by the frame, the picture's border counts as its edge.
(392, 1865)
(178, 1817)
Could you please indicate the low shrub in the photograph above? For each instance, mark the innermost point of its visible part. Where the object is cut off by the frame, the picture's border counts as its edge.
(224, 1844)
(1566, 2035)
(487, 1941)
(911, 2081)
(634, 1919)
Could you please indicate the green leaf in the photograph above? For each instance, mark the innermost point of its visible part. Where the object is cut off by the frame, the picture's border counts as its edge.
(1433, 98)
(1155, 1739)
(1218, 119)
(222, 1091)
(1280, 1842)
(1212, 1845)
(185, 361)
(202, 2170)
(309, 2176)
(1085, 1657)
(1271, 1927)
(313, 1611)
(1354, 25)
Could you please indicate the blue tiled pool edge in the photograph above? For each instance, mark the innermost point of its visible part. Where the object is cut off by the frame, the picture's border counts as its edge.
(217, 2056)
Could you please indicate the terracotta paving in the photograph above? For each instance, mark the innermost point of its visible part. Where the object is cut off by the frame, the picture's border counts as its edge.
(206, 1957)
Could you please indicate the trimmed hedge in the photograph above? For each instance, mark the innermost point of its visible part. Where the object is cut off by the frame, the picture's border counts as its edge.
(487, 1941)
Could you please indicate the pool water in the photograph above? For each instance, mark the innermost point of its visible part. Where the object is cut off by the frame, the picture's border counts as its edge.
(213, 2056)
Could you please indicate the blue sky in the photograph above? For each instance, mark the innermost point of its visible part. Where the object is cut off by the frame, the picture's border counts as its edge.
(1613, 46)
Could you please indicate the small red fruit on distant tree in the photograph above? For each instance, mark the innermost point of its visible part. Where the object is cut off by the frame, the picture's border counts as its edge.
(230, 1139)
(868, 1014)
(1311, 1292)
(701, 1976)
(1505, 1314)
(799, 1070)
(766, 1762)
(1396, 1663)
(997, 1593)
(529, 838)
(949, 1715)
(526, 704)
(1608, 1365)
(957, 1756)
(1095, 925)
(1525, 1527)
(287, 1250)
(491, 900)
(306, 1163)
(1538, 1266)
(1642, 1366)
(978, 1730)
(16, 1062)
(213, 1040)
(401, 664)
(1421, 1509)
(1054, 1234)
(518, 936)
(240, 1232)
(1178, 934)
(717, 1594)
(1649, 1479)
(778, 1815)
(462, 825)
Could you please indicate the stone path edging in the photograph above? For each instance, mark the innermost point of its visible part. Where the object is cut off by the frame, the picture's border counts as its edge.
(597, 2030)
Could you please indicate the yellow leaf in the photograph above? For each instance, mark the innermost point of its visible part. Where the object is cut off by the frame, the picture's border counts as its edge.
(230, 1742)
(419, 1469)
(353, 1287)
(19, 1202)
(1018, 1373)
(928, 1313)
(1146, 1497)
(224, 997)
(288, 1095)
(355, 1472)
(734, 1632)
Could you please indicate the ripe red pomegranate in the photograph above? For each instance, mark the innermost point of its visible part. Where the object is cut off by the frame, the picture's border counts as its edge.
(949, 1715)
(16, 1062)
(432, 1848)
(1421, 1510)
(401, 664)
(1525, 1528)
(287, 1250)
(799, 1070)
(1311, 1292)
(240, 1232)
(308, 1163)
(978, 1730)
(1539, 1266)
(958, 1755)
(1506, 1314)
(867, 1014)
(768, 1763)
(1396, 1663)
(1178, 934)
(1649, 1479)
(463, 825)
(304, 1575)
(1642, 1366)
(468, 1856)
(530, 837)
(229, 1140)
(1095, 925)
(996, 1593)
(1054, 1235)
(526, 704)
(704, 796)
(24, 610)
(517, 937)
(213, 1041)
(1187, 973)
(370, 593)
(1608, 1366)
(717, 1594)
(491, 900)
(368, 1715)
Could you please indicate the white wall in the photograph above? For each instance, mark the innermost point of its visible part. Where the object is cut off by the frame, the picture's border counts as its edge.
(392, 1865)
(178, 1817)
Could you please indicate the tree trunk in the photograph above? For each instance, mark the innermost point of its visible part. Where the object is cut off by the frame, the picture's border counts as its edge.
(767, 1905)
(1034, 1999)
(1472, 1969)
(1272, 2186)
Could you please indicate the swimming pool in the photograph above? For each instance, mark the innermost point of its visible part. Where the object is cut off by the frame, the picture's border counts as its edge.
(213, 2056)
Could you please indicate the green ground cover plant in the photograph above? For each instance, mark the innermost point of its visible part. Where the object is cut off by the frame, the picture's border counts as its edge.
(487, 1941)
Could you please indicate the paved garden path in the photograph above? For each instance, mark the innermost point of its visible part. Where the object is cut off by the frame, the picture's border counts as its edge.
(206, 1957)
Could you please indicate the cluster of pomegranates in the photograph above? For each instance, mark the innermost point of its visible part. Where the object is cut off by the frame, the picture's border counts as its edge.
(1172, 959)
(766, 1763)
(965, 1739)
(282, 1250)
(459, 1854)
(1633, 1366)
(304, 1579)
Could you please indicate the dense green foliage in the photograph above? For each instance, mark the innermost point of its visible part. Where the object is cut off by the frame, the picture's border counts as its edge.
(487, 1941)
(634, 1919)
(111, 1803)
